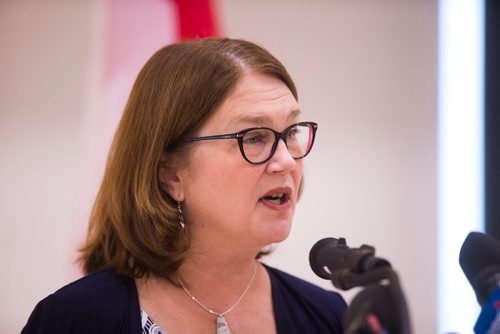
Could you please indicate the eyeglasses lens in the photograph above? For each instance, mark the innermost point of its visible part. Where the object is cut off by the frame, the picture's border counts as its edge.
(258, 144)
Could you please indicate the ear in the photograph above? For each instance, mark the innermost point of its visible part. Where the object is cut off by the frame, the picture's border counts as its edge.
(170, 177)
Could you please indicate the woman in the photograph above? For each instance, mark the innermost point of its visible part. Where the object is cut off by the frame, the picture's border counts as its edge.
(204, 172)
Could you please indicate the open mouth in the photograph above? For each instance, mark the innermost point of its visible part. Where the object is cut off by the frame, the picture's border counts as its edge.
(276, 198)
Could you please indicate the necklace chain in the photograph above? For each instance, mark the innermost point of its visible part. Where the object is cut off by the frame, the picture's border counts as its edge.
(230, 308)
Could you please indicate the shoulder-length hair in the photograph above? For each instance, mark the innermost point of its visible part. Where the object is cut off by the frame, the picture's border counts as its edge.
(134, 226)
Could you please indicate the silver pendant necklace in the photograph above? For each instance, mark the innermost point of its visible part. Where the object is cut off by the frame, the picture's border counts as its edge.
(221, 324)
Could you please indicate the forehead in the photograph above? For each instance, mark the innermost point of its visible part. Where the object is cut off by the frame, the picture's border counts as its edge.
(257, 100)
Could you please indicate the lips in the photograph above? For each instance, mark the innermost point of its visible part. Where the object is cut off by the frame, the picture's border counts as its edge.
(277, 198)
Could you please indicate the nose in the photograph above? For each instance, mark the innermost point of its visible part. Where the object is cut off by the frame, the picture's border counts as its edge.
(282, 160)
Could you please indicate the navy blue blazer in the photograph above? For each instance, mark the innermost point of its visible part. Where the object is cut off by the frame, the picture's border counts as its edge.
(105, 302)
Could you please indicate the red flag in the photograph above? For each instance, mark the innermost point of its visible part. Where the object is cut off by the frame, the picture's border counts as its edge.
(196, 19)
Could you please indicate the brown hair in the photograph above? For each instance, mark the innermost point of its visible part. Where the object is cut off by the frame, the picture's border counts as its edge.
(134, 226)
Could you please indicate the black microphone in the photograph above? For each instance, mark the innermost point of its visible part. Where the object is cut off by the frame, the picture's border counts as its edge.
(480, 262)
(329, 256)
(380, 307)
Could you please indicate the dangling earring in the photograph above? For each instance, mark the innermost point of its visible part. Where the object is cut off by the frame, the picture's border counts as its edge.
(181, 216)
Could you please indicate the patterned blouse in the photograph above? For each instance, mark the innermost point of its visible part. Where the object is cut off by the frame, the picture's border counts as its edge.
(149, 326)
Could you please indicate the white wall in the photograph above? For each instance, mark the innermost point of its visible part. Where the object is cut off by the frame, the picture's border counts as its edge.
(366, 71)
(44, 53)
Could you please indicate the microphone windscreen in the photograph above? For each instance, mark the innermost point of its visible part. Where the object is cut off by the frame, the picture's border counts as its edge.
(480, 262)
(316, 257)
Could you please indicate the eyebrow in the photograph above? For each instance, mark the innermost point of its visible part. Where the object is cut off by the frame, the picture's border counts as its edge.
(262, 120)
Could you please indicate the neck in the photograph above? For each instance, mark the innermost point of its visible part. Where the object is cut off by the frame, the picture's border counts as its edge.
(217, 291)
(217, 278)
(210, 268)
(214, 257)
(221, 313)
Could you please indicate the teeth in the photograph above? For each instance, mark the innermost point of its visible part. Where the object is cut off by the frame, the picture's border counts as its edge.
(275, 198)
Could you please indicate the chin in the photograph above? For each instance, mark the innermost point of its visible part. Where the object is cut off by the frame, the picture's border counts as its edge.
(279, 231)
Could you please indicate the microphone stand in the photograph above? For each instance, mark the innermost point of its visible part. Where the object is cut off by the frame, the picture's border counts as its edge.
(384, 279)
(380, 308)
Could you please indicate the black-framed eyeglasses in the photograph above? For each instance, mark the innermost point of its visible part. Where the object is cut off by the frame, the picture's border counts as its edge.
(257, 145)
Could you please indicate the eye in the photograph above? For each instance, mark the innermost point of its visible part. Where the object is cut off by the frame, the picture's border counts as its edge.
(252, 139)
(257, 137)
(293, 133)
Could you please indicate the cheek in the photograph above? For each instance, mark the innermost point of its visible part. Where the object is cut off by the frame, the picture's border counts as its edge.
(221, 179)
(297, 176)
(221, 196)
(236, 181)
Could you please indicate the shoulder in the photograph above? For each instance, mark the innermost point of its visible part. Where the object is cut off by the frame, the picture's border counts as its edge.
(301, 306)
(99, 301)
(97, 287)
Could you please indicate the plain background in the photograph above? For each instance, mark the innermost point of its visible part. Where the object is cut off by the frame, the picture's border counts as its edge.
(366, 72)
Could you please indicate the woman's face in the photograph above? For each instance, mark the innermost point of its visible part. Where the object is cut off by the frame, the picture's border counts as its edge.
(228, 201)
